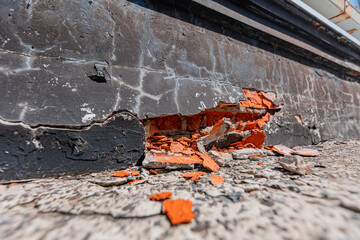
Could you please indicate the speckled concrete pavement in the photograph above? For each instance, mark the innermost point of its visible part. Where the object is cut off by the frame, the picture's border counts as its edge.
(254, 202)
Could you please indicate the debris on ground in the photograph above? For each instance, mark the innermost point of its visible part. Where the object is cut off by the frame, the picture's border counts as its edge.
(216, 179)
(178, 211)
(193, 176)
(295, 164)
(254, 199)
(108, 182)
(121, 173)
(306, 152)
(160, 196)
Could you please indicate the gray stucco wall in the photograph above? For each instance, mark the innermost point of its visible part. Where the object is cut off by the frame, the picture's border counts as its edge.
(160, 61)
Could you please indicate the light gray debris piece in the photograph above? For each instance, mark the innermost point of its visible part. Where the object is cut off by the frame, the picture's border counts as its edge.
(246, 153)
(108, 182)
(220, 158)
(295, 164)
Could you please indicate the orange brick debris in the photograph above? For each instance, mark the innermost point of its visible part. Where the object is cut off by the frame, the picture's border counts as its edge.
(178, 211)
(260, 164)
(153, 171)
(209, 163)
(136, 180)
(193, 176)
(283, 150)
(135, 173)
(122, 173)
(160, 196)
(216, 179)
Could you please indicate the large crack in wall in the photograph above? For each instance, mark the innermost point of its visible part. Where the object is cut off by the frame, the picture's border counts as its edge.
(69, 64)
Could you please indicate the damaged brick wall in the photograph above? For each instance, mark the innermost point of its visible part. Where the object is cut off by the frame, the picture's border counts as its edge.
(69, 63)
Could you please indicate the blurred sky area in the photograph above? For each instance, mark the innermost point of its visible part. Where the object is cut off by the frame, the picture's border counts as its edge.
(356, 3)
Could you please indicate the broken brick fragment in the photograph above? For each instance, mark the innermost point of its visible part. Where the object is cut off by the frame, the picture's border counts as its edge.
(178, 159)
(258, 99)
(217, 126)
(178, 211)
(209, 163)
(214, 117)
(135, 173)
(176, 147)
(257, 138)
(160, 196)
(260, 164)
(193, 176)
(136, 180)
(122, 173)
(216, 179)
(153, 171)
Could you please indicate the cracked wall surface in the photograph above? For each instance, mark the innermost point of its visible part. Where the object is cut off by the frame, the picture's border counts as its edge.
(160, 61)
(69, 63)
(48, 50)
(28, 152)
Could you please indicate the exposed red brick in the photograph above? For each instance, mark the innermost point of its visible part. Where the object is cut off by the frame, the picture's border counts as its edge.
(193, 122)
(176, 147)
(178, 159)
(257, 100)
(257, 138)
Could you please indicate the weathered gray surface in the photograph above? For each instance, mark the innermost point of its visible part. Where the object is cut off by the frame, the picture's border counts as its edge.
(49, 151)
(255, 202)
(158, 60)
(70, 62)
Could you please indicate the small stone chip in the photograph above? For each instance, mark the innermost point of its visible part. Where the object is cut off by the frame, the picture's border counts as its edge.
(160, 196)
(179, 211)
(216, 179)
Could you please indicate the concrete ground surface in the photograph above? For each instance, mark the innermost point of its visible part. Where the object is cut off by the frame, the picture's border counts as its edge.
(254, 202)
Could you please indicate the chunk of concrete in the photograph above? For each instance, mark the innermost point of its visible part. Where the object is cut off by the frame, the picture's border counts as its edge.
(220, 158)
(295, 164)
(206, 142)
